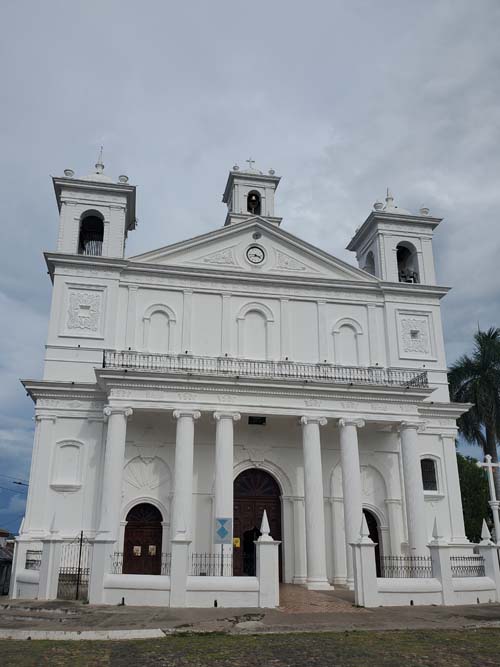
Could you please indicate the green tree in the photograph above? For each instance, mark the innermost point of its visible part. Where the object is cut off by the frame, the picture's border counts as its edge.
(476, 379)
(475, 496)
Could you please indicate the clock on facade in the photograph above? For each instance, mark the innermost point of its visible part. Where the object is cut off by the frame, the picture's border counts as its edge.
(255, 255)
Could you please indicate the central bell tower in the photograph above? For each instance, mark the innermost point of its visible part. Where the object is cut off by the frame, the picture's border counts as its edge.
(250, 193)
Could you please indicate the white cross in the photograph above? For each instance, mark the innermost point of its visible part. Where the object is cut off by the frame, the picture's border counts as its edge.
(493, 503)
(250, 163)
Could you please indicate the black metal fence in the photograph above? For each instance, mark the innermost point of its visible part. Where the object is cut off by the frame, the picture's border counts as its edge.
(406, 567)
(211, 565)
(74, 571)
(33, 559)
(117, 563)
(467, 566)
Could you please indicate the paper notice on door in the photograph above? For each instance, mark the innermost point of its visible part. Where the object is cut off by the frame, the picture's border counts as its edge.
(152, 550)
(137, 551)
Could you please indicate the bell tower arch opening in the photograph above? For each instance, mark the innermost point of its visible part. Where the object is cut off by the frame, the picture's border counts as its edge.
(91, 234)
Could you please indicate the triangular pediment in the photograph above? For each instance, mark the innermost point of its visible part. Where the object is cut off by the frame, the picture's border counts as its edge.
(255, 246)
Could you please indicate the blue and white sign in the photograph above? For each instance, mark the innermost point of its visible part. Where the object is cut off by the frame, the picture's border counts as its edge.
(223, 531)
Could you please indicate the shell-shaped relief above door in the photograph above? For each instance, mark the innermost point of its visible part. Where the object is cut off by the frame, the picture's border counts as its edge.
(147, 472)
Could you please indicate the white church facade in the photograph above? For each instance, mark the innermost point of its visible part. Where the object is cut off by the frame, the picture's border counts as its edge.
(239, 371)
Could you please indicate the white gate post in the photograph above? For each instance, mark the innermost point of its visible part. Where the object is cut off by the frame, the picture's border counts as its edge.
(489, 551)
(267, 566)
(441, 565)
(49, 568)
(364, 569)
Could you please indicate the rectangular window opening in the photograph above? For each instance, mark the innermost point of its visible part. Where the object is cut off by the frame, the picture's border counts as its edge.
(256, 420)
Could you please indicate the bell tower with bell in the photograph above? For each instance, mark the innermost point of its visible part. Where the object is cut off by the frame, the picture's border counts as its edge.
(249, 193)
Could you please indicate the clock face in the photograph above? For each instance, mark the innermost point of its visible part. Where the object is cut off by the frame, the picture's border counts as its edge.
(255, 255)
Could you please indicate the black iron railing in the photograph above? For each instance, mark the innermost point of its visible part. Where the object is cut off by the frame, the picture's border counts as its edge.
(211, 565)
(406, 567)
(287, 370)
(33, 559)
(467, 566)
(117, 563)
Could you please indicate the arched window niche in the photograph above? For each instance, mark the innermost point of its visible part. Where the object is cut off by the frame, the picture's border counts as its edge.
(91, 236)
(67, 468)
(406, 255)
(430, 475)
(346, 347)
(158, 323)
(254, 202)
(254, 331)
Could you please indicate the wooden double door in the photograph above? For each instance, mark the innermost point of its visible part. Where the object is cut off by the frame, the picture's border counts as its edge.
(142, 543)
(255, 490)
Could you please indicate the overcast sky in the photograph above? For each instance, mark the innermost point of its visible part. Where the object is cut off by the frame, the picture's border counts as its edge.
(341, 98)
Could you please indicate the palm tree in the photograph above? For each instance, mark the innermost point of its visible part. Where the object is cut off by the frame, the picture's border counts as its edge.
(476, 379)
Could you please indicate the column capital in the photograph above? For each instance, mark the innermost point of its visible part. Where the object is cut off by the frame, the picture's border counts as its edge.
(351, 421)
(219, 415)
(308, 419)
(194, 414)
(39, 418)
(411, 425)
(112, 410)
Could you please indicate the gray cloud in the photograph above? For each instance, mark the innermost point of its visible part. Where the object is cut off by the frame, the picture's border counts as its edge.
(341, 98)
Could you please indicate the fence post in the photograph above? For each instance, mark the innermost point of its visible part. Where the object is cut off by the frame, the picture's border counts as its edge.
(365, 571)
(49, 568)
(489, 552)
(441, 565)
(267, 566)
(179, 568)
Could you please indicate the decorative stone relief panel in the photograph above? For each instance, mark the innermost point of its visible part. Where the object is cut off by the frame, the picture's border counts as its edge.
(287, 263)
(84, 312)
(224, 257)
(147, 472)
(415, 335)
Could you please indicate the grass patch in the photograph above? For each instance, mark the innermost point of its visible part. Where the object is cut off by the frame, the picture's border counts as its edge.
(457, 648)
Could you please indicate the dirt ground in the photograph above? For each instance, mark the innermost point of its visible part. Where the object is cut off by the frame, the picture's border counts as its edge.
(455, 648)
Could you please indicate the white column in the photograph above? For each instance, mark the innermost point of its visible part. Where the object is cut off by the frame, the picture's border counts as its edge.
(224, 444)
(453, 490)
(299, 544)
(114, 456)
(111, 499)
(351, 487)
(338, 541)
(414, 492)
(183, 471)
(394, 516)
(314, 503)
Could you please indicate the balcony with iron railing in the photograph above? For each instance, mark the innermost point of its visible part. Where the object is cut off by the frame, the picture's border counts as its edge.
(274, 370)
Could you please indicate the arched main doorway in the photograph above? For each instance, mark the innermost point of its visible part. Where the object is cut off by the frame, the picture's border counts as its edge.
(375, 536)
(255, 490)
(142, 543)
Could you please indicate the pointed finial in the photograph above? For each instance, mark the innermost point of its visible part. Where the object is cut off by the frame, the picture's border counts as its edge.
(435, 531)
(389, 200)
(485, 534)
(364, 533)
(264, 529)
(99, 166)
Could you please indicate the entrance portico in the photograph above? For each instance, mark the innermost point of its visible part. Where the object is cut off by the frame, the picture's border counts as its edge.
(209, 439)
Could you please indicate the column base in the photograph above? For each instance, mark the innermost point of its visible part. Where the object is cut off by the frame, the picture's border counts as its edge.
(299, 579)
(349, 584)
(318, 585)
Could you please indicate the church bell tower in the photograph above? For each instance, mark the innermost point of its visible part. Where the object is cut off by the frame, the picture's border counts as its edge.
(250, 193)
(95, 213)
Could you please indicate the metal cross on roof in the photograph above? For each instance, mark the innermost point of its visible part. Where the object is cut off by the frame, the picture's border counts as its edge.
(250, 163)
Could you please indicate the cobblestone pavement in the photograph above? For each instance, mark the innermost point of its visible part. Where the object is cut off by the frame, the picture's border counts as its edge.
(297, 599)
